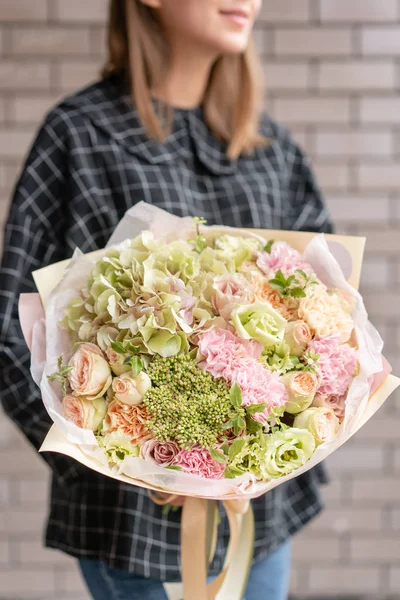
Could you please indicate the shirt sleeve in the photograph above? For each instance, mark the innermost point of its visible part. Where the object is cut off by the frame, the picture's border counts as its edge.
(307, 208)
(32, 239)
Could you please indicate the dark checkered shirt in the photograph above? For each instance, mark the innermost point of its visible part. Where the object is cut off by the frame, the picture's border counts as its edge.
(90, 162)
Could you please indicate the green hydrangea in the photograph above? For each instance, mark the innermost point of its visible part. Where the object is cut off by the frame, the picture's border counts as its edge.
(186, 404)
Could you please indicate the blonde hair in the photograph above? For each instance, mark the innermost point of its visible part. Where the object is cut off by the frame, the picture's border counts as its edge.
(138, 51)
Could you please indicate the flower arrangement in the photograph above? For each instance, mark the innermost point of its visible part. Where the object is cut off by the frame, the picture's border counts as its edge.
(215, 356)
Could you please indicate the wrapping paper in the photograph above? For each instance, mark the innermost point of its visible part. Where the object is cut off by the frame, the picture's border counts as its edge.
(60, 283)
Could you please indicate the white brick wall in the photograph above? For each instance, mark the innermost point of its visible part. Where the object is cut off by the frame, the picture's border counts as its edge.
(333, 76)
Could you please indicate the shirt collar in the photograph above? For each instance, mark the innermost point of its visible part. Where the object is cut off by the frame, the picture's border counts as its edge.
(109, 109)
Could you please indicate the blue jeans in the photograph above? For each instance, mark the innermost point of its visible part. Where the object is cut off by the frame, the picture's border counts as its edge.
(269, 580)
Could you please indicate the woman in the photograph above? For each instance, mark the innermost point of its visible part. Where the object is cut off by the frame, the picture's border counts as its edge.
(174, 122)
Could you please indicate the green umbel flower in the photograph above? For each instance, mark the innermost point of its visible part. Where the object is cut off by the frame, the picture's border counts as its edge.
(186, 404)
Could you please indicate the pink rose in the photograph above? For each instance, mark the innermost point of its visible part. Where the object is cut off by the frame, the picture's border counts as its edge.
(230, 290)
(298, 336)
(161, 454)
(322, 423)
(130, 420)
(282, 257)
(222, 351)
(84, 413)
(129, 389)
(337, 365)
(198, 461)
(335, 402)
(91, 374)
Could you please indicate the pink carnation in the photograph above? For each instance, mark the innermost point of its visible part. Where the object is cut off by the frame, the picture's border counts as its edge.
(222, 350)
(260, 385)
(282, 257)
(337, 365)
(198, 461)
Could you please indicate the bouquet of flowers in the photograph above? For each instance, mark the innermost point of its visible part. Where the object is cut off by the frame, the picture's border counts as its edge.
(212, 362)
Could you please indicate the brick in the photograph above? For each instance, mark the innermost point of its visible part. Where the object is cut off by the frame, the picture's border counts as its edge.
(346, 519)
(375, 176)
(397, 459)
(312, 110)
(380, 41)
(29, 583)
(27, 75)
(344, 579)
(375, 489)
(380, 110)
(23, 10)
(23, 461)
(50, 41)
(308, 549)
(354, 144)
(286, 76)
(384, 242)
(31, 108)
(357, 459)
(394, 581)
(284, 11)
(375, 550)
(72, 581)
(14, 143)
(354, 208)
(375, 306)
(17, 520)
(358, 11)
(4, 553)
(33, 492)
(89, 11)
(4, 492)
(376, 273)
(357, 75)
(313, 42)
(332, 176)
(74, 74)
(32, 552)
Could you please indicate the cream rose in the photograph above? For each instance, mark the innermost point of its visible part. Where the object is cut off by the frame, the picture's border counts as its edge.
(325, 314)
(84, 413)
(91, 373)
(117, 362)
(322, 423)
(129, 389)
(301, 386)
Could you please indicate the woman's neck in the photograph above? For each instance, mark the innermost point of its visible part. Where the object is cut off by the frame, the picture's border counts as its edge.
(186, 81)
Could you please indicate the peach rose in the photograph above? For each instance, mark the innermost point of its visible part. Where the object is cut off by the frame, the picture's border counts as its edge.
(84, 413)
(129, 389)
(298, 336)
(325, 315)
(266, 293)
(91, 374)
(129, 420)
(301, 386)
(322, 423)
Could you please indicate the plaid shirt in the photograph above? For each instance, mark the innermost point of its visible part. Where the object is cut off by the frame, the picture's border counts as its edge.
(91, 161)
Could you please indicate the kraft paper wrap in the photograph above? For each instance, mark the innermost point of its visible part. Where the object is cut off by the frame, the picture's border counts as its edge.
(198, 518)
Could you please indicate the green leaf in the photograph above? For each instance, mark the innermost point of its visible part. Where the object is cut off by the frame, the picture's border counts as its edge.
(236, 395)
(218, 456)
(174, 468)
(280, 277)
(276, 284)
(132, 348)
(236, 447)
(252, 409)
(301, 273)
(227, 425)
(241, 423)
(137, 365)
(290, 280)
(252, 426)
(225, 448)
(232, 472)
(118, 347)
(297, 292)
(268, 246)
